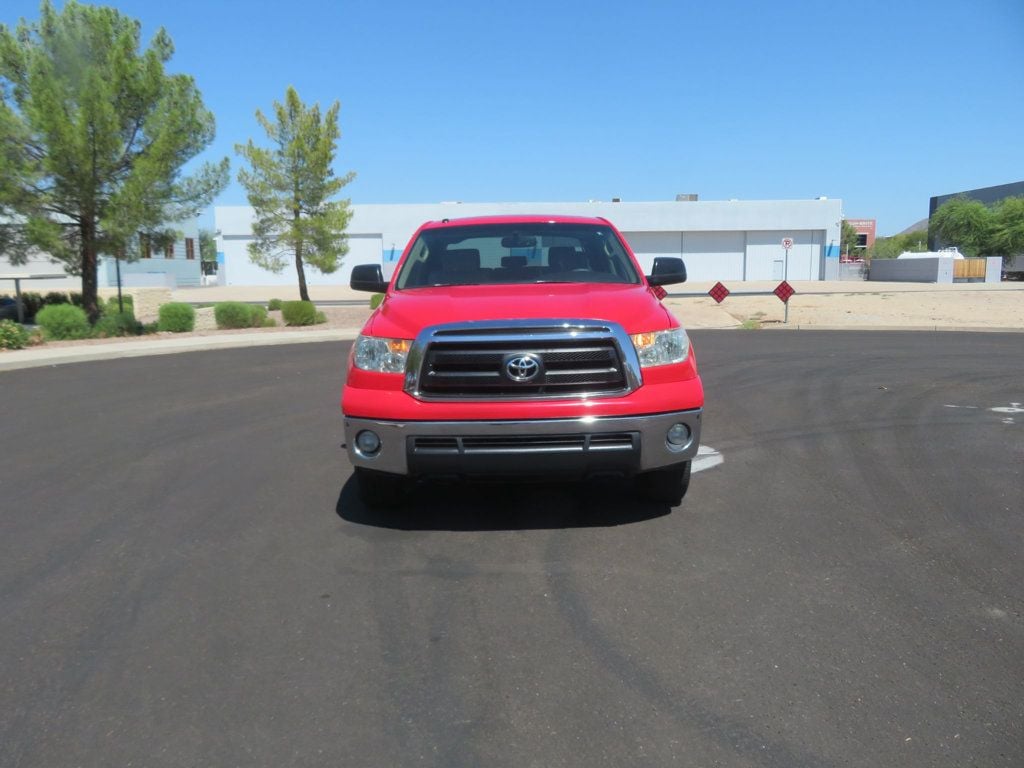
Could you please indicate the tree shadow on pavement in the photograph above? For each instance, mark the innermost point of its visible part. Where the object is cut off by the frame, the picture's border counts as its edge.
(504, 506)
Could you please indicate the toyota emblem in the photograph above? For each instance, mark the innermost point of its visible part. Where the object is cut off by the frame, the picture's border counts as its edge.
(522, 368)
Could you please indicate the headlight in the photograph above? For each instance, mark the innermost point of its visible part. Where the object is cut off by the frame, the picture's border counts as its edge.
(381, 355)
(661, 347)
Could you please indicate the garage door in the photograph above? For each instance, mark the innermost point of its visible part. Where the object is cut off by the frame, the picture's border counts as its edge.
(711, 256)
(648, 245)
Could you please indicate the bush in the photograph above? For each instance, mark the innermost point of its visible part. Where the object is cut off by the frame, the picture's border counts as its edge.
(375, 300)
(177, 317)
(235, 314)
(299, 313)
(32, 302)
(274, 304)
(64, 321)
(127, 301)
(117, 324)
(56, 297)
(259, 315)
(320, 318)
(269, 322)
(12, 335)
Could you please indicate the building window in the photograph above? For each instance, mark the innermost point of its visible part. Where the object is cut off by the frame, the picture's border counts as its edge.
(190, 248)
(862, 240)
(169, 250)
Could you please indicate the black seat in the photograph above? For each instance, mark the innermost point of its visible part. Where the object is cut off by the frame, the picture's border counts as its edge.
(565, 258)
(458, 265)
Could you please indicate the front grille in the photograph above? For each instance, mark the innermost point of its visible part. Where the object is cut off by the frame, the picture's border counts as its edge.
(478, 367)
(505, 444)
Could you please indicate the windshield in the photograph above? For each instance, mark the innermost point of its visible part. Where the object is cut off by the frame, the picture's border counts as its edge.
(539, 252)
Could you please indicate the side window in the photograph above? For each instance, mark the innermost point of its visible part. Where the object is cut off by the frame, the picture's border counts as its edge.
(414, 275)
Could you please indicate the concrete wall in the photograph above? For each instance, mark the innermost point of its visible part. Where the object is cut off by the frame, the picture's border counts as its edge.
(993, 269)
(707, 234)
(935, 270)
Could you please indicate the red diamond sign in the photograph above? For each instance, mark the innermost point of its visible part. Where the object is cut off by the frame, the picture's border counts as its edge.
(784, 290)
(718, 292)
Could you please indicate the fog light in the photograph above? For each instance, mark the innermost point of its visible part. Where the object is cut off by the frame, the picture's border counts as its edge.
(678, 435)
(367, 443)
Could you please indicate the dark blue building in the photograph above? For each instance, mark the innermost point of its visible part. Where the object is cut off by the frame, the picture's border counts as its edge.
(987, 195)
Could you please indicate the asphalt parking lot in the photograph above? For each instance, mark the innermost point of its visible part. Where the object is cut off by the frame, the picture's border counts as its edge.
(187, 576)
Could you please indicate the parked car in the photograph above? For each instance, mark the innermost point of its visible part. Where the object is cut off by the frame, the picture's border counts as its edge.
(521, 347)
(8, 308)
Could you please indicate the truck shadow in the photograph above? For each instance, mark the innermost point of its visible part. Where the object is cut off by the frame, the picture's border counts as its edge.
(505, 506)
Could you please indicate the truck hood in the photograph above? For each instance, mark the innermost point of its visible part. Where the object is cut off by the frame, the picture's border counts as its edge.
(404, 313)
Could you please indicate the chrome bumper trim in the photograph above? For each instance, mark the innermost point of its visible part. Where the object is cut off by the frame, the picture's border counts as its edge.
(654, 449)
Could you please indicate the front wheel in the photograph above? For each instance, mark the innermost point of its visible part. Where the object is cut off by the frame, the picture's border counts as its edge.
(380, 489)
(667, 486)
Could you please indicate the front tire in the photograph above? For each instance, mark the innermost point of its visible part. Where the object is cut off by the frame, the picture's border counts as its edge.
(666, 486)
(380, 489)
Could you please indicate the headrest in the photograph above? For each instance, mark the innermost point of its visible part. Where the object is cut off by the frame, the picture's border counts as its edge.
(565, 258)
(513, 261)
(460, 260)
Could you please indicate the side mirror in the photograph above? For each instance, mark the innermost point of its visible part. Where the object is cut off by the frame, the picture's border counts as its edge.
(368, 277)
(667, 270)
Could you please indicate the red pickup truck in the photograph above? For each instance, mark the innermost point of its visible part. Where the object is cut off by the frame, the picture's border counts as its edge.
(521, 347)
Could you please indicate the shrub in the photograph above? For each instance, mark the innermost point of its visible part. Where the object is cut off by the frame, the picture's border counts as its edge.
(64, 321)
(299, 312)
(56, 297)
(269, 322)
(75, 298)
(117, 324)
(274, 304)
(235, 314)
(112, 308)
(32, 302)
(321, 318)
(177, 317)
(12, 335)
(375, 300)
(259, 314)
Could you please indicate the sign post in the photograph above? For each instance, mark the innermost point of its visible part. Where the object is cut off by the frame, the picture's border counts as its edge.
(787, 243)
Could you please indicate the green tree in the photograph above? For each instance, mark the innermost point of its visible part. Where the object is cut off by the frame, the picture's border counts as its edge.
(848, 239)
(968, 224)
(1008, 235)
(290, 187)
(94, 136)
(892, 247)
(207, 245)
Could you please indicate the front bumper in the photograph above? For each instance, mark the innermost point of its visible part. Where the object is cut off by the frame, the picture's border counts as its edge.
(543, 447)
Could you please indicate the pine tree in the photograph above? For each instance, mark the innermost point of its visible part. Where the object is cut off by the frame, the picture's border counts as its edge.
(290, 185)
(93, 136)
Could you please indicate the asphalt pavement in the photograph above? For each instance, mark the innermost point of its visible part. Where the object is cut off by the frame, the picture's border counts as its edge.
(188, 578)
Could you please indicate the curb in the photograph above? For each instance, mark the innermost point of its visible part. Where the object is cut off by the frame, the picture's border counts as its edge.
(40, 358)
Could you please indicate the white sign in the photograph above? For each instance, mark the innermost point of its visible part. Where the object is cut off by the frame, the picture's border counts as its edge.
(787, 243)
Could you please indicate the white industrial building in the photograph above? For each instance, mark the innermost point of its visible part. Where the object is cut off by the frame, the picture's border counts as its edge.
(174, 265)
(719, 240)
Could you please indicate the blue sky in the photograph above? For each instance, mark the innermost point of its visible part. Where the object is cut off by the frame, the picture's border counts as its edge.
(882, 104)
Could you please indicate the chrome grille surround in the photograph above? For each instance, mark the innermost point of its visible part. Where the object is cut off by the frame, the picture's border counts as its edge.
(563, 337)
